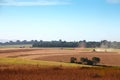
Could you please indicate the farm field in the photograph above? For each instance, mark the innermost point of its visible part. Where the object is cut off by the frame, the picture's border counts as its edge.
(41, 63)
(110, 57)
(32, 72)
(52, 64)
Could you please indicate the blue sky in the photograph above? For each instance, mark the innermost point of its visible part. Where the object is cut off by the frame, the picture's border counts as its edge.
(91, 20)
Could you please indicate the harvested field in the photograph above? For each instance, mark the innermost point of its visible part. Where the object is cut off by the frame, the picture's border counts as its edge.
(62, 55)
(106, 58)
(29, 72)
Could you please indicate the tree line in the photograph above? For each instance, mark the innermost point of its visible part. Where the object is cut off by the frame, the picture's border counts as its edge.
(18, 42)
(82, 44)
(60, 43)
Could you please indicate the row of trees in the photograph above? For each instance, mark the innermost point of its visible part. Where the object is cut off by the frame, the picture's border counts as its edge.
(85, 61)
(82, 44)
(55, 44)
(60, 43)
(100, 44)
(17, 42)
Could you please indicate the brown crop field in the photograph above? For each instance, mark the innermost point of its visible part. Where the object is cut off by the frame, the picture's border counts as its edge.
(109, 57)
(30, 72)
(15, 64)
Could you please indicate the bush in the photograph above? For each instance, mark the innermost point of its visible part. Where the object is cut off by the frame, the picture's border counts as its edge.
(73, 60)
(85, 61)
(95, 60)
(89, 62)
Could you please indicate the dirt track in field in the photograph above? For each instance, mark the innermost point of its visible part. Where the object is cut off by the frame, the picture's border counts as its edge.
(61, 55)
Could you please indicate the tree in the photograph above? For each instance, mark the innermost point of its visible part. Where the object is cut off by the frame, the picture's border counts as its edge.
(95, 60)
(94, 50)
(82, 44)
(73, 59)
(18, 42)
(104, 44)
(84, 60)
(89, 62)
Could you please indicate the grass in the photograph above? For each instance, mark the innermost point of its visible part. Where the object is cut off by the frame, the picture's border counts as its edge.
(25, 69)
(10, 72)
(38, 62)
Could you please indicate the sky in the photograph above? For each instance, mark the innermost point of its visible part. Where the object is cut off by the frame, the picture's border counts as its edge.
(71, 20)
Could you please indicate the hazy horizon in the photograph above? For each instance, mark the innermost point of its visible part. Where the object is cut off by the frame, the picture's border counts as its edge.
(70, 20)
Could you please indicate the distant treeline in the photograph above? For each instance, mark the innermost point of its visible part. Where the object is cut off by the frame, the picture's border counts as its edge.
(60, 43)
(18, 42)
(55, 44)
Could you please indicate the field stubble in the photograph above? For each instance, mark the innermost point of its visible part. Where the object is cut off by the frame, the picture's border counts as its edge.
(36, 72)
(29, 72)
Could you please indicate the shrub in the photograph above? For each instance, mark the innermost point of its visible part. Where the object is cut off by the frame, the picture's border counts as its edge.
(73, 59)
(89, 62)
(84, 60)
(95, 60)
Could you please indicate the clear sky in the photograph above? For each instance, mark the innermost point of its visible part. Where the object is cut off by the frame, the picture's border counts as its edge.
(91, 20)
